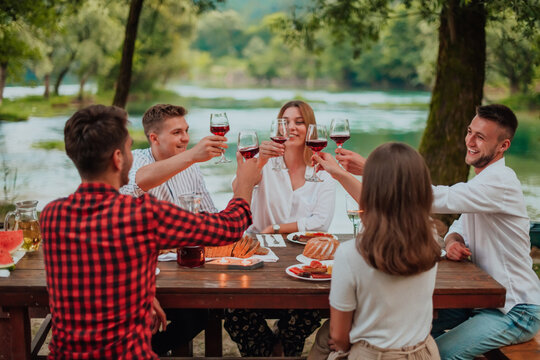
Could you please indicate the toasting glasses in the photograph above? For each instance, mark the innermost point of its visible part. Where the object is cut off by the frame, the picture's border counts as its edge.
(339, 131)
(279, 133)
(316, 140)
(248, 143)
(219, 125)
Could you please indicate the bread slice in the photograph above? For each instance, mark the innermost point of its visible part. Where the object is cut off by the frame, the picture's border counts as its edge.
(321, 248)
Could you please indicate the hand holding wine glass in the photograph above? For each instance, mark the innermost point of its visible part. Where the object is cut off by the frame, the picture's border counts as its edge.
(219, 125)
(316, 140)
(279, 133)
(339, 131)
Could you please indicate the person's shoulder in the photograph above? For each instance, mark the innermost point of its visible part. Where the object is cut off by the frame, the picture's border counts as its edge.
(346, 249)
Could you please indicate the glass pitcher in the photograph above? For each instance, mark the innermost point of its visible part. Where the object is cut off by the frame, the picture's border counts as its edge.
(25, 219)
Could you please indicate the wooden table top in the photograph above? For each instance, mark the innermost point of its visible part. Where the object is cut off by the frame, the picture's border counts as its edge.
(459, 284)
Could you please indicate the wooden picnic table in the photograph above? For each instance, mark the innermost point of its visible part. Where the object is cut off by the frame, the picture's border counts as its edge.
(458, 285)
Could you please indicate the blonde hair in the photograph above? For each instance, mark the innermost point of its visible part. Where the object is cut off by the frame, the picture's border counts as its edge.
(398, 235)
(309, 118)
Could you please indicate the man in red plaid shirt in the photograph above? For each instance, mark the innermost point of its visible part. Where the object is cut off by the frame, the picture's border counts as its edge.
(101, 247)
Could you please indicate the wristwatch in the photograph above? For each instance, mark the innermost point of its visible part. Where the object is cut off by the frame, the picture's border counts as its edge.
(276, 228)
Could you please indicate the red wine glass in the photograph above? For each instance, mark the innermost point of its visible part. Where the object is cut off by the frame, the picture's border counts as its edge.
(316, 140)
(219, 125)
(339, 131)
(279, 133)
(248, 143)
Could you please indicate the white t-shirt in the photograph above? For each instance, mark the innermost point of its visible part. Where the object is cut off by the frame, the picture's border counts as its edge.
(389, 311)
(187, 181)
(495, 226)
(275, 202)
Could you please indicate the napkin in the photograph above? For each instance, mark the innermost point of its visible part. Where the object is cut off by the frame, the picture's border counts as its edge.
(17, 255)
(270, 257)
(271, 240)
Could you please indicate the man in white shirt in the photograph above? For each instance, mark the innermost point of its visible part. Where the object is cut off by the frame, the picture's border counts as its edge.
(167, 170)
(493, 231)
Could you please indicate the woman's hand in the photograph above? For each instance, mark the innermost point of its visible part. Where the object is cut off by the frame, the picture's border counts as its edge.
(327, 162)
(351, 161)
(270, 149)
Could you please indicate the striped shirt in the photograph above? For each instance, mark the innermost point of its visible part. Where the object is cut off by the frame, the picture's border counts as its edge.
(187, 181)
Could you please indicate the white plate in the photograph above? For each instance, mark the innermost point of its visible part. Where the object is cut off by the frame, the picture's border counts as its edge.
(290, 273)
(306, 261)
(157, 271)
(299, 233)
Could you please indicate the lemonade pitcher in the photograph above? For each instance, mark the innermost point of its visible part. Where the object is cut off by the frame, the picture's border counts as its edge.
(25, 218)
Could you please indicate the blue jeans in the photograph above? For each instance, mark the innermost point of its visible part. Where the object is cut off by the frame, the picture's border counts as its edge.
(476, 331)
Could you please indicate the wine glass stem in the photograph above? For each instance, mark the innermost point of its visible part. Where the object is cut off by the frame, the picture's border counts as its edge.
(355, 230)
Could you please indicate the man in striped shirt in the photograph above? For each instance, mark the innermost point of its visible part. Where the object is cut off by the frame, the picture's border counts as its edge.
(167, 169)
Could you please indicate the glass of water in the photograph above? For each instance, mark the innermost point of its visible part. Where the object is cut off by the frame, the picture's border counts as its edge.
(353, 213)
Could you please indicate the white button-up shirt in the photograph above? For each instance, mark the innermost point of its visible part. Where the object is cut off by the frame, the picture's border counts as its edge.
(495, 226)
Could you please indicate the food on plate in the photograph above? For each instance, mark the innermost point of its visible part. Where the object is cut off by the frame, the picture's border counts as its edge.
(11, 241)
(6, 261)
(321, 248)
(244, 248)
(314, 270)
(310, 235)
(166, 251)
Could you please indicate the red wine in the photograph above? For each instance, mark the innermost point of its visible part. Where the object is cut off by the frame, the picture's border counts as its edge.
(278, 139)
(219, 129)
(249, 152)
(340, 139)
(316, 145)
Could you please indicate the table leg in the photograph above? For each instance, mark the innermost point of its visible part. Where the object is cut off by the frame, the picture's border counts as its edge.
(213, 346)
(21, 336)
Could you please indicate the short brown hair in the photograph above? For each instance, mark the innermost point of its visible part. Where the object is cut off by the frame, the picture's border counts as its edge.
(502, 115)
(398, 234)
(154, 117)
(309, 118)
(92, 134)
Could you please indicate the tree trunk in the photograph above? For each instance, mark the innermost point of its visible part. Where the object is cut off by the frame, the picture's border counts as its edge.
(3, 77)
(458, 89)
(46, 84)
(81, 86)
(59, 80)
(123, 81)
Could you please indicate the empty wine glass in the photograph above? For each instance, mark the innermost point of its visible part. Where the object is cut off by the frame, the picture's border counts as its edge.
(316, 140)
(248, 143)
(353, 213)
(339, 131)
(279, 133)
(219, 125)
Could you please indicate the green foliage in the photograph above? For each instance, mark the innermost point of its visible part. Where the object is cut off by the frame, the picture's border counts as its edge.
(522, 101)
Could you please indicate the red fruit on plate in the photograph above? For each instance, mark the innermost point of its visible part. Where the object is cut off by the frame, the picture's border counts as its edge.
(6, 261)
(11, 241)
(315, 264)
(321, 276)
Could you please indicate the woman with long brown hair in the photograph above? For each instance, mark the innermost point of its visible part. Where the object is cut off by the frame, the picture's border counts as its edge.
(383, 281)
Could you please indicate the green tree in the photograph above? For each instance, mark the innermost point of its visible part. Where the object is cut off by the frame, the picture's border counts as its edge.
(461, 61)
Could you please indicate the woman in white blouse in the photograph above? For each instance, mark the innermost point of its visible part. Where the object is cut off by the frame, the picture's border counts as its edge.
(284, 202)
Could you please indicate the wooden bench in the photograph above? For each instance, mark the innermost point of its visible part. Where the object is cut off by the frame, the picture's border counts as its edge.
(526, 351)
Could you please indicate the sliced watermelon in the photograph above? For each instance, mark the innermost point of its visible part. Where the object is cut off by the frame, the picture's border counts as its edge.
(6, 261)
(11, 241)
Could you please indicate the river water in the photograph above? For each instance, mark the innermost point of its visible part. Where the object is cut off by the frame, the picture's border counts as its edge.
(45, 175)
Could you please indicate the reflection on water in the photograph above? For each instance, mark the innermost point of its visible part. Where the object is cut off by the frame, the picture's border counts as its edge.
(46, 175)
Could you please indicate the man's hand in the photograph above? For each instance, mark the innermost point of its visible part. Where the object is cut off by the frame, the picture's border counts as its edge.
(158, 317)
(248, 174)
(209, 147)
(455, 248)
(351, 161)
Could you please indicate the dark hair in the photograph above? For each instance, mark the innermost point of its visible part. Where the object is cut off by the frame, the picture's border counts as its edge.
(92, 134)
(309, 118)
(398, 236)
(500, 114)
(154, 117)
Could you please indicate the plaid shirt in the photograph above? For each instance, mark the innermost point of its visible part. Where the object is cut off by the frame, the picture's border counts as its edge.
(101, 250)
